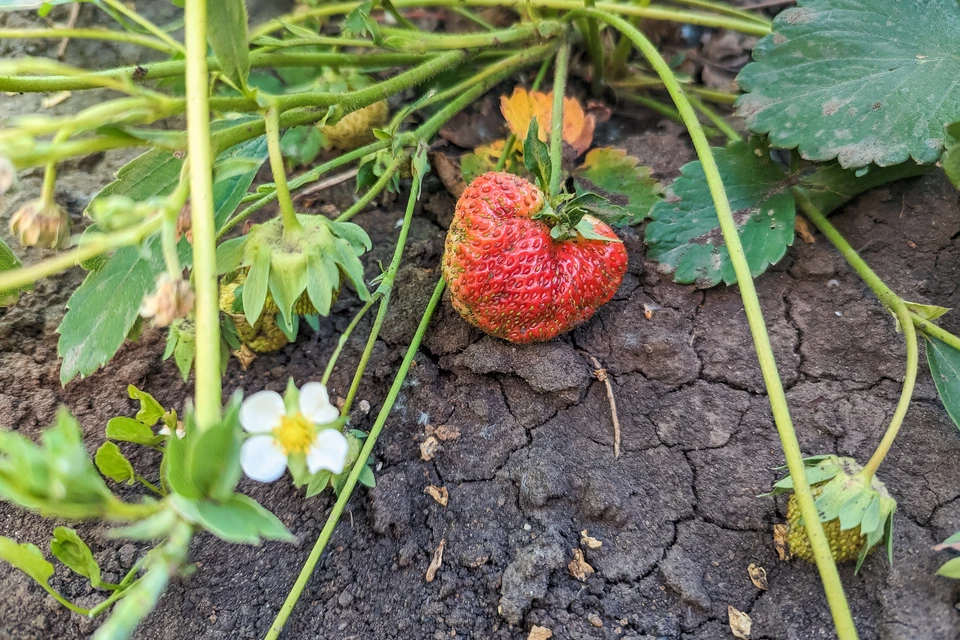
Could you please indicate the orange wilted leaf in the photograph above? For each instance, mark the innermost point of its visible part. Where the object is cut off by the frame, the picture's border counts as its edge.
(521, 107)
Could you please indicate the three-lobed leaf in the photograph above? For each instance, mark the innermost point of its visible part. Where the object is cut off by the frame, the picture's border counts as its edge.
(862, 81)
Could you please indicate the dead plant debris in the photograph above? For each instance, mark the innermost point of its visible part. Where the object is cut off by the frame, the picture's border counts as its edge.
(589, 542)
(740, 623)
(436, 561)
(579, 568)
(441, 495)
(758, 576)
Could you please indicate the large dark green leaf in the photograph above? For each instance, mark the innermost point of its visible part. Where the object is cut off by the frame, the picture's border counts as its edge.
(944, 362)
(227, 33)
(684, 235)
(863, 81)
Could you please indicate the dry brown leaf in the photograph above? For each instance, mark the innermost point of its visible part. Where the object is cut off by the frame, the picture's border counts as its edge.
(446, 433)
(540, 633)
(740, 623)
(436, 561)
(758, 576)
(780, 543)
(803, 230)
(449, 173)
(428, 449)
(522, 107)
(589, 542)
(440, 494)
(245, 356)
(579, 568)
(595, 620)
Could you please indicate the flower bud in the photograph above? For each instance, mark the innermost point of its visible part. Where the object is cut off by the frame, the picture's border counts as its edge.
(41, 224)
(172, 299)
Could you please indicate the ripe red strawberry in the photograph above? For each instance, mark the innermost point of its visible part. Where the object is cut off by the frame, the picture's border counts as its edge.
(510, 278)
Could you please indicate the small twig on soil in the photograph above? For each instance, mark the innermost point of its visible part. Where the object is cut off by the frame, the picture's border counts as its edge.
(601, 374)
(332, 181)
(71, 23)
(436, 562)
(768, 4)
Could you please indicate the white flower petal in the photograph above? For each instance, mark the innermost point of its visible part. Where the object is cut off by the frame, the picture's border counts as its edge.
(262, 459)
(315, 404)
(328, 451)
(261, 412)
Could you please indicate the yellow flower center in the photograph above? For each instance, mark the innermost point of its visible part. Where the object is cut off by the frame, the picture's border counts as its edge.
(295, 433)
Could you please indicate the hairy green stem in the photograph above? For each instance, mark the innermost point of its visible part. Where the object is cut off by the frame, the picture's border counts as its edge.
(421, 42)
(168, 244)
(556, 119)
(750, 27)
(89, 34)
(332, 362)
(893, 303)
(109, 602)
(174, 68)
(122, 9)
(833, 587)
(378, 186)
(272, 123)
(932, 330)
(592, 32)
(665, 110)
(347, 490)
(149, 485)
(207, 392)
(715, 118)
(722, 7)
(308, 177)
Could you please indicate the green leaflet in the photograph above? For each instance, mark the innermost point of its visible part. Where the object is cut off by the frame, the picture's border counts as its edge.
(620, 179)
(863, 81)
(8, 261)
(944, 362)
(103, 309)
(684, 234)
(227, 34)
(113, 464)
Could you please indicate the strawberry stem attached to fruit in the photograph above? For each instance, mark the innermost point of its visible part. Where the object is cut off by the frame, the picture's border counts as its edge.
(833, 587)
(272, 122)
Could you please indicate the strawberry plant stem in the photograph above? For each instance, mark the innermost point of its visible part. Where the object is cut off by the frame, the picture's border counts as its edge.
(281, 189)
(332, 362)
(715, 118)
(893, 303)
(89, 34)
(843, 620)
(665, 110)
(207, 312)
(595, 47)
(308, 177)
(932, 330)
(123, 10)
(556, 119)
(358, 466)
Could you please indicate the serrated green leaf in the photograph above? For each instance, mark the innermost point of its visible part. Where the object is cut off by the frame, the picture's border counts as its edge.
(620, 179)
(227, 34)
(124, 429)
(684, 234)
(864, 81)
(830, 185)
(175, 470)
(69, 549)
(102, 311)
(150, 410)
(536, 155)
(113, 464)
(183, 355)
(318, 482)
(944, 363)
(213, 455)
(27, 558)
(8, 261)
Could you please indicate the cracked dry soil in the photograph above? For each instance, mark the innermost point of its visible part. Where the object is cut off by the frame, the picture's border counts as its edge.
(526, 448)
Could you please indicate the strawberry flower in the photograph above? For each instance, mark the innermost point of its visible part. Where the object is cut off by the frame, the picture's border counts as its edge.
(280, 431)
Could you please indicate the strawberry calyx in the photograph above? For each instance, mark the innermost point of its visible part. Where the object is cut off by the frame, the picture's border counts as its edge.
(570, 215)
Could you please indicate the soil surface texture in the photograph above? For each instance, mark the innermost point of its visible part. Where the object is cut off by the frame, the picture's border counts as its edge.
(524, 441)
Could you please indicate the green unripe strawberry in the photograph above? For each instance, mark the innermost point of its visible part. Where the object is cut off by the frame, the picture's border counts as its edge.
(844, 545)
(855, 509)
